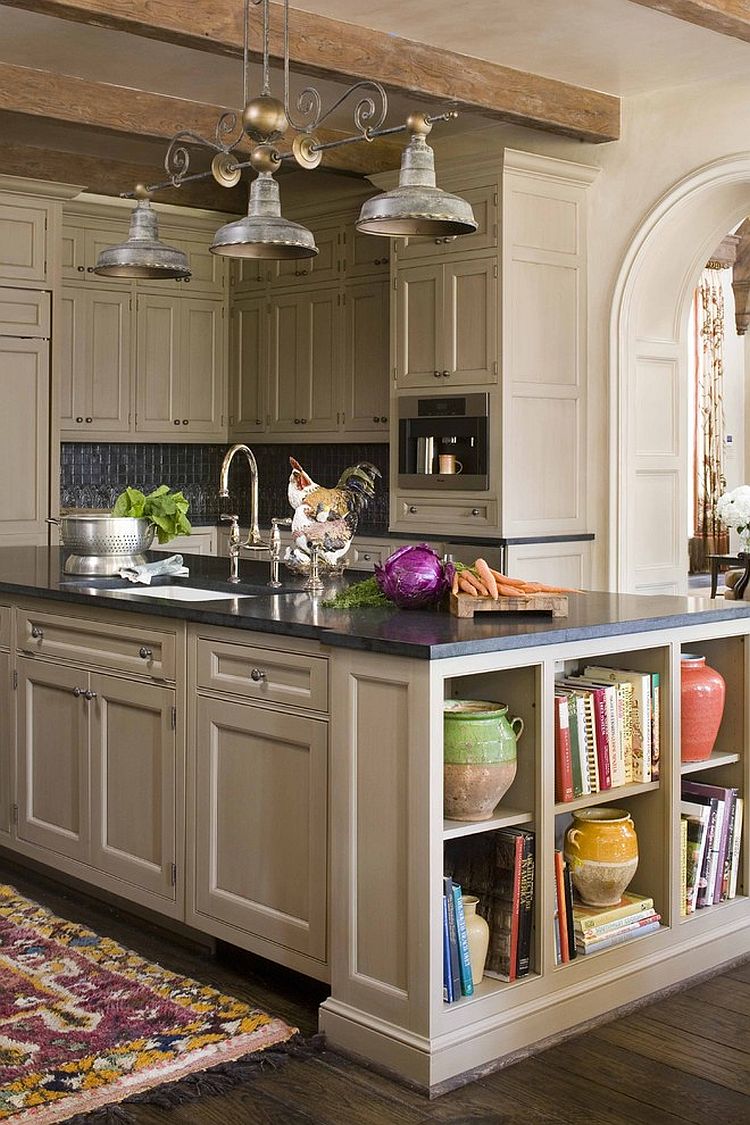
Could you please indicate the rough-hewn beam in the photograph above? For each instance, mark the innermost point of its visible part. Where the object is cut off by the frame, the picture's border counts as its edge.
(104, 176)
(118, 109)
(332, 48)
(728, 17)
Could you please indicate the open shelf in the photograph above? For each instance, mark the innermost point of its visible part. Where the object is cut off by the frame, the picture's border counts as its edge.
(502, 818)
(606, 796)
(490, 986)
(718, 758)
(583, 957)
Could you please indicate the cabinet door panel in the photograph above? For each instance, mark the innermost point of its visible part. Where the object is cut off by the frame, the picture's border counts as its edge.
(366, 254)
(324, 267)
(71, 388)
(23, 243)
(200, 396)
(133, 776)
(419, 327)
(53, 758)
(157, 364)
(73, 253)
(97, 240)
(24, 436)
(261, 856)
(470, 320)
(249, 366)
(365, 370)
(24, 312)
(484, 203)
(319, 388)
(108, 363)
(287, 357)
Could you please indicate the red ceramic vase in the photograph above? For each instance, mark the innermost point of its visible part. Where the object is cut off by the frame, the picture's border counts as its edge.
(702, 706)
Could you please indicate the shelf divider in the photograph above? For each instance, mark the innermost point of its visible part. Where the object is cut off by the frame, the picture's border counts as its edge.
(606, 796)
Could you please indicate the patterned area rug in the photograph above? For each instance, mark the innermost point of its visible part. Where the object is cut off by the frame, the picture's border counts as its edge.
(85, 1024)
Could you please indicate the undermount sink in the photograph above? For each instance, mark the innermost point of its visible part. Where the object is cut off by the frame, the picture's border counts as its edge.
(180, 593)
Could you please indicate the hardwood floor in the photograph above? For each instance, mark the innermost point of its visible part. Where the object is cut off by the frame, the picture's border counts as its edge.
(682, 1060)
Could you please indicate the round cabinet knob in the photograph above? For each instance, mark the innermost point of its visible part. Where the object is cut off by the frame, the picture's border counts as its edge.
(475, 511)
(89, 695)
(258, 422)
(145, 653)
(296, 421)
(89, 269)
(89, 420)
(438, 241)
(413, 509)
(188, 280)
(177, 421)
(446, 374)
(77, 692)
(376, 418)
(79, 418)
(186, 421)
(367, 557)
(436, 374)
(303, 421)
(37, 632)
(257, 675)
(81, 269)
(384, 418)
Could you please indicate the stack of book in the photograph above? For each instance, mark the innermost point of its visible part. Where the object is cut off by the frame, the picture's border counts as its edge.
(600, 927)
(457, 978)
(606, 731)
(711, 834)
(498, 867)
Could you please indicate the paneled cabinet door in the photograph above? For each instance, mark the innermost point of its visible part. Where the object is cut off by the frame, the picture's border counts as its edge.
(419, 327)
(366, 254)
(23, 242)
(24, 438)
(157, 364)
(261, 823)
(470, 322)
(6, 744)
(96, 361)
(248, 366)
(201, 371)
(484, 202)
(133, 782)
(304, 368)
(365, 368)
(323, 268)
(53, 758)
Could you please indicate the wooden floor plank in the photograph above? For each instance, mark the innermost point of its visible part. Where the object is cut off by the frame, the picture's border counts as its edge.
(739, 972)
(657, 1086)
(687, 1052)
(685, 1012)
(734, 995)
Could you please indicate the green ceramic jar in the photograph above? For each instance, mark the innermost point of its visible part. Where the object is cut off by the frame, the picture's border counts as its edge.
(479, 749)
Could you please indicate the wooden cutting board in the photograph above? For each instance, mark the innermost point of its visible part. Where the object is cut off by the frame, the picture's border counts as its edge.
(464, 605)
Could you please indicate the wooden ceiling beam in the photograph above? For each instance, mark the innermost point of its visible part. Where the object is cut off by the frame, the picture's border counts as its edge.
(334, 49)
(727, 17)
(139, 113)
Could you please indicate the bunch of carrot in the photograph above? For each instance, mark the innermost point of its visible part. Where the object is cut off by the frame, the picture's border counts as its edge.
(481, 581)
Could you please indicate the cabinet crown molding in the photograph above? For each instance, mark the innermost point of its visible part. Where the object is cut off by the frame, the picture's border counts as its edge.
(453, 172)
(87, 205)
(43, 189)
(514, 160)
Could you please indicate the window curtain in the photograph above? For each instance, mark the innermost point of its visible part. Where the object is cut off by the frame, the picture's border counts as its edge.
(709, 535)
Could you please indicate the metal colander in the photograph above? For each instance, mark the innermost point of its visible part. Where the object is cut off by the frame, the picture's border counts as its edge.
(101, 543)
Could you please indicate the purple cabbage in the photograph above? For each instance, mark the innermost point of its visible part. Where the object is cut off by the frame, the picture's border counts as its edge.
(414, 577)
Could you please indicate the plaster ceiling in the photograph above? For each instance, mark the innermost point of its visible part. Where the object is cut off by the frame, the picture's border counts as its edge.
(610, 45)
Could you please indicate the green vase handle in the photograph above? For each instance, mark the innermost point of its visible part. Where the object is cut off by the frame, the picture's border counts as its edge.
(518, 732)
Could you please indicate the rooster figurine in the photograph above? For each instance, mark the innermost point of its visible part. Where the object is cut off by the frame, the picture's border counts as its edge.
(327, 515)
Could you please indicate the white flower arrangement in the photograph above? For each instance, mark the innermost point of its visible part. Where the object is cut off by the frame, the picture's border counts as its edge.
(733, 509)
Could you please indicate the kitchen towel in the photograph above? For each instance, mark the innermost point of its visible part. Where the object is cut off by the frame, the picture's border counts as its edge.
(171, 567)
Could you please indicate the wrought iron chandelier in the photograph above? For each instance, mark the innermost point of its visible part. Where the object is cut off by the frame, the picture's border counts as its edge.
(416, 207)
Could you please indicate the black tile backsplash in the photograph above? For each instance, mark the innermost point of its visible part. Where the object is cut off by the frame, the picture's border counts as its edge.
(92, 474)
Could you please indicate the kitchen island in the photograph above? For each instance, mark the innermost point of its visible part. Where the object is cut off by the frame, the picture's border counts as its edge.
(269, 771)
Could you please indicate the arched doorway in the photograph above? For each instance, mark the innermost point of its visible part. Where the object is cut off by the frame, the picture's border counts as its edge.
(649, 458)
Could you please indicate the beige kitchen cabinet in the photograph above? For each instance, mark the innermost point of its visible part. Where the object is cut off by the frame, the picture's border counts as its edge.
(53, 758)
(201, 541)
(7, 733)
(365, 369)
(366, 255)
(180, 366)
(82, 245)
(305, 362)
(95, 361)
(207, 270)
(261, 824)
(248, 364)
(97, 772)
(23, 240)
(324, 268)
(446, 328)
(24, 312)
(24, 440)
(484, 201)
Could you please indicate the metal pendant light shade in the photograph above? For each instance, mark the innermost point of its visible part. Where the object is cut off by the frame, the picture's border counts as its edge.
(417, 206)
(143, 255)
(263, 232)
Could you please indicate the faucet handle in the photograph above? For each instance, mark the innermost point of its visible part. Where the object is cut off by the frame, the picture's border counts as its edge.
(229, 519)
(234, 530)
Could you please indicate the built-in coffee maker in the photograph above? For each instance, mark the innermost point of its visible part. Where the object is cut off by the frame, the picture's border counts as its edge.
(443, 442)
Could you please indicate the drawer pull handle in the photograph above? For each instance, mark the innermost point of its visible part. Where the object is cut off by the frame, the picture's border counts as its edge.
(77, 692)
(367, 557)
(413, 509)
(257, 675)
(89, 695)
(475, 511)
(145, 653)
(37, 632)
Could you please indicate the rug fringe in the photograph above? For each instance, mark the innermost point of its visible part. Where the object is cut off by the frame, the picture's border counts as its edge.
(205, 1083)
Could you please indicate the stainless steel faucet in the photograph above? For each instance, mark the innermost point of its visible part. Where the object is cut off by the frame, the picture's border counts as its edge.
(254, 542)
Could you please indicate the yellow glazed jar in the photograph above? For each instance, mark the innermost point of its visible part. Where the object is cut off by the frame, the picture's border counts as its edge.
(602, 849)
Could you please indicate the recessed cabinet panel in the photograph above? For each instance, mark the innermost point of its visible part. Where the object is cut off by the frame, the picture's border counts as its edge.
(97, 240)
(73, 253)
(287, 356)
(24, 435)
(24, 312)
(53, 793)
(206, 269)
(133, 776)
(324, 267)
(484, 202)
(319, 388)
(259, 871)
(419, 327)
(249, 365)
(471, 316)
(366, 254)
(200, 401)
(23, 243)
(157, 364)
(304, 361)
(108, 362)
(71, 390)
(365, 370)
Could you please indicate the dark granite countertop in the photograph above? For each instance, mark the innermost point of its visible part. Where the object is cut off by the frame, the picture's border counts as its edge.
(37, 572)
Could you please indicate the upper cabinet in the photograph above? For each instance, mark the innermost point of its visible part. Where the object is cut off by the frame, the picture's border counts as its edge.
(485, 203)
(305, 362)
(23, 240)
(95, 361)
